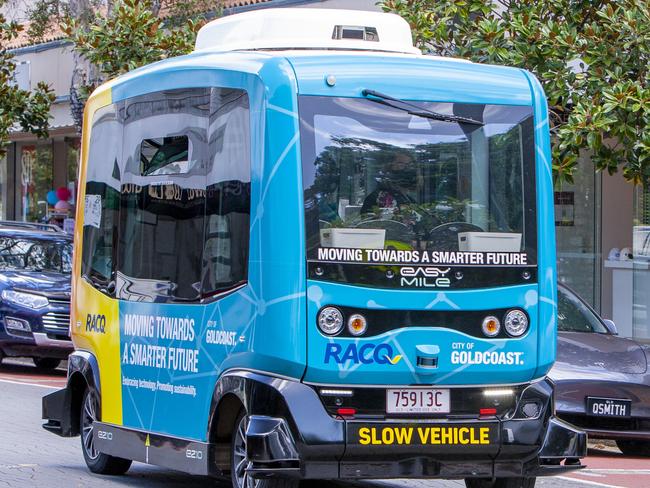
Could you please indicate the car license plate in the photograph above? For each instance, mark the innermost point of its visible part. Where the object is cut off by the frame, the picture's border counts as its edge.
(609, 407)
(417, 400)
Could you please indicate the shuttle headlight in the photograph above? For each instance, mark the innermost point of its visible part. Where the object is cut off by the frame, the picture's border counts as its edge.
(491, 326)
(516, 323)
(357, 324)
(330, 320)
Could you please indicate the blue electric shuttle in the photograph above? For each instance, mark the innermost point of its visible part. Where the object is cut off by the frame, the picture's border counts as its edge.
(307, 251)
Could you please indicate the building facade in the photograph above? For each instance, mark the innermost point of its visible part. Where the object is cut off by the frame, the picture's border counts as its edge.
(597, 213)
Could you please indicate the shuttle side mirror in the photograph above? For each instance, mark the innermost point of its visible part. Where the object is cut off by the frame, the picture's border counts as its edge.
(611, 326)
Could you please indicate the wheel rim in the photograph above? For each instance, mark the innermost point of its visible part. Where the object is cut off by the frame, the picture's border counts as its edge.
(88, 418)
(240, 460)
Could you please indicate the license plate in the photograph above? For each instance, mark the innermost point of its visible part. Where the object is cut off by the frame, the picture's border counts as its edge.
(417, 400)
(609, 407)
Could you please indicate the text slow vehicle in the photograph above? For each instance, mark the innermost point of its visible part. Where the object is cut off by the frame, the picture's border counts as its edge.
(434, 435)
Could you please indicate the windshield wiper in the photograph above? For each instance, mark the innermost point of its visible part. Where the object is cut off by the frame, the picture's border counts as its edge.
(384, 99)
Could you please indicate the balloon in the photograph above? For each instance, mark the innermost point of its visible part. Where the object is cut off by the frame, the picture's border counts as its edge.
(62, 205)
(62, 193)
(51, 197)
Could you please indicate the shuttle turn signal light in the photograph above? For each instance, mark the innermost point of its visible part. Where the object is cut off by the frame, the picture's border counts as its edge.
(491, 326)
(487, 411)
(357, 324)
(347, 412)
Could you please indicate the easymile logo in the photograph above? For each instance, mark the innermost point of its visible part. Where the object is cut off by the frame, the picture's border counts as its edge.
(425, 277)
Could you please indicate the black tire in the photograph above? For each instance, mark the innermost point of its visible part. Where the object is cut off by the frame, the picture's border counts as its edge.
(239, 462)
(500, 482)
(46, 363)
(634, 448)
(96, 461)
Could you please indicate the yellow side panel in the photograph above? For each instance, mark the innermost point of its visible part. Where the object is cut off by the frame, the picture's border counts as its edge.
(90, 304)
(88, 301)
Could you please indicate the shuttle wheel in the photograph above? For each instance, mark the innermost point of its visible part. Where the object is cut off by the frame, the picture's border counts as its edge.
(96, 461)
(240, 478)
(46, 363)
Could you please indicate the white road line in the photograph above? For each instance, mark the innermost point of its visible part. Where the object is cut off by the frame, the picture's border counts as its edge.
(586, 482)
(29, 384)
(616, 471)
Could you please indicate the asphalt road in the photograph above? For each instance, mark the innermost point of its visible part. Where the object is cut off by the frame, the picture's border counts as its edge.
(32, 457)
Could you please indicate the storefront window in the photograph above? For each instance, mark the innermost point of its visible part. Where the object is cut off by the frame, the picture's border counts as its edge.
(577, 225)
(72, 166)
(36, 164)
(3, 187)
(641, 264)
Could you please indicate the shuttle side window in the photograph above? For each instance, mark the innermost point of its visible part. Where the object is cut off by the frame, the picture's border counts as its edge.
(101, 205)
(227, 219)
(163, 196)
(165, 156)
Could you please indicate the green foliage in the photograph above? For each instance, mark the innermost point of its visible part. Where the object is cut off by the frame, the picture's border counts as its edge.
(131, 36)
(29, 110)
(591, 56)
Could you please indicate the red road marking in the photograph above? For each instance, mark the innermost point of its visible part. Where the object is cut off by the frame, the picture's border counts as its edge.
(20, 373)
(605, 467)
(611, 468)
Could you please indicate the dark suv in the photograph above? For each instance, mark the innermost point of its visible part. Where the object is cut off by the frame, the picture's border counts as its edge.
(35, 267)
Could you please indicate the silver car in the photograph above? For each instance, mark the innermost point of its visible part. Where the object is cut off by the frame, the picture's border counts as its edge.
(602, 380)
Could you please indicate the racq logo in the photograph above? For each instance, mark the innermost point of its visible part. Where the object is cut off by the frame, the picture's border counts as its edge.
(424, 277)
(369, 353)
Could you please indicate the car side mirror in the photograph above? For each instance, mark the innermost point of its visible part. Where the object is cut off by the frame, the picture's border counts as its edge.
(611, 326)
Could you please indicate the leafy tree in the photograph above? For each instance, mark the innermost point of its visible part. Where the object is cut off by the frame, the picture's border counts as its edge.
(29, 110)
(132, 35)
(112, 37)
(591, 56)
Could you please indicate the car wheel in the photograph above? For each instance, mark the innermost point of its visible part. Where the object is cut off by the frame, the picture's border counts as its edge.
(96, 461)
(46, 363)
(634, 448)
(239, 461)
(500, 482)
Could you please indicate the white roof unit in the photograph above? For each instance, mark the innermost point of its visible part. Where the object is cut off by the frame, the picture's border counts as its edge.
(308, 28)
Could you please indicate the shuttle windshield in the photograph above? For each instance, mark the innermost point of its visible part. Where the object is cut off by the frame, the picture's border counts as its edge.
(379, 179)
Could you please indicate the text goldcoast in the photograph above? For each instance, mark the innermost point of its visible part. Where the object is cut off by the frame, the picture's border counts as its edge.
(488, 358)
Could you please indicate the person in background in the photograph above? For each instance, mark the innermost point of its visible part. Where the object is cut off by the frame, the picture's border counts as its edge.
(393, 185)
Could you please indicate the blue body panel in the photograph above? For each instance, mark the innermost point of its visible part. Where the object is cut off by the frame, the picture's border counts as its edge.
(266, 316)
(272, 320)
(366, 368)
(547, 335)
(423, 78)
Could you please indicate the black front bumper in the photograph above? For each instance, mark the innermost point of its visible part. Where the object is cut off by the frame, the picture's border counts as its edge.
(47, 333)
(291, 434)
(308, 442)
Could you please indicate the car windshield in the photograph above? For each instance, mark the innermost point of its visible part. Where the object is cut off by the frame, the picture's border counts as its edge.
(379, 177)
(28, 254)
(574, 316)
